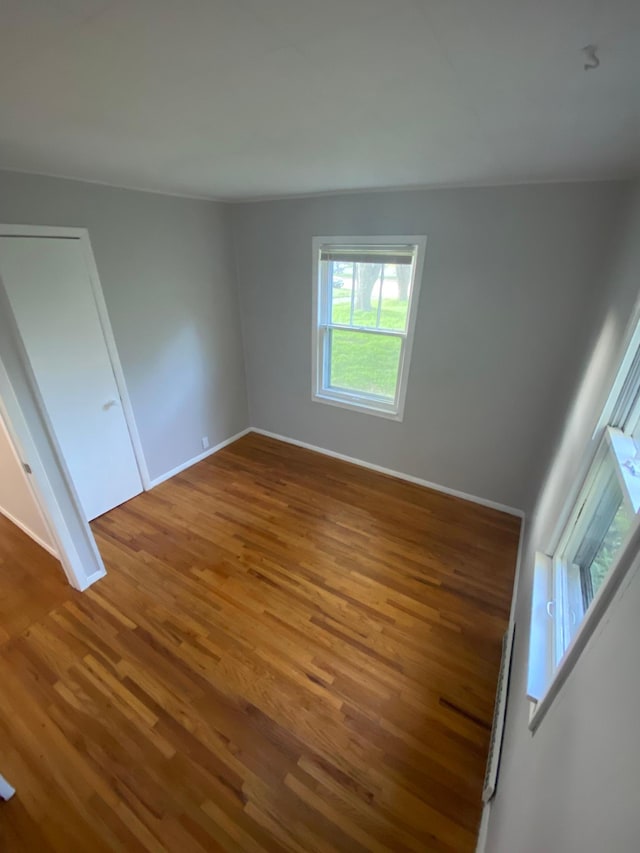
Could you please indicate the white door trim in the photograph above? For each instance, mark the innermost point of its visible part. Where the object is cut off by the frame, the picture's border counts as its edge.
(78, 573)
(82, 235)
(6, 791)
(46, 544)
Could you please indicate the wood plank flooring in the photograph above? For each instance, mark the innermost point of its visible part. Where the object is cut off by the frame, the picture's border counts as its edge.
(288, 653)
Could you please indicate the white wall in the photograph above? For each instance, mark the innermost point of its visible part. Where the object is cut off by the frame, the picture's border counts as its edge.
(511, 284)
(16, 499)
(573, 787)
(167, 272)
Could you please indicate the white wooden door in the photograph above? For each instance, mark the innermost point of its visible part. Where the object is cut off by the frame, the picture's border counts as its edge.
(49, 288)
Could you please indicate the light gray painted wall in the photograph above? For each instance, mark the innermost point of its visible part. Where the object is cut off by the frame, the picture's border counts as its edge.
(573, 787)
(511, 281)
(520, 283)
(16, 500)
(167, 274)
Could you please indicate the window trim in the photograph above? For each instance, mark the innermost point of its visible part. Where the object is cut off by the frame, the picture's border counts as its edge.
(543, 683)
(350, 399)
(620, 571)
(551, 659)
(629, 349)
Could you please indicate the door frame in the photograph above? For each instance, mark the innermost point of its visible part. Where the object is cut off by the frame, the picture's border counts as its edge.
(82, 235)
(5, 429)
(81, 573)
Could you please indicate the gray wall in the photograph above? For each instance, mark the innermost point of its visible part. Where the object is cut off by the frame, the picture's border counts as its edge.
(511, 281)
(573, 787)
(526, 290)
(167, 274)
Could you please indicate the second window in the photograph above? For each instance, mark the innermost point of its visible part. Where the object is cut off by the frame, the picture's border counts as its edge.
(365, 299)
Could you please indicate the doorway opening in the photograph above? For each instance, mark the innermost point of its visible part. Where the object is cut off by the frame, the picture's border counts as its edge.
(64, 398)
(61, 321)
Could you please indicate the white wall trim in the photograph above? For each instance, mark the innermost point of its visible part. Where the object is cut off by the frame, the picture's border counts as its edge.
(510, 510)
(621, 573)
(194, 461)
(91, 579)
(483, 830)
(29, 532)
(516, 582)
(20, 434)
(320, 194)
(507, 183)
(6, 790)
(628, 349)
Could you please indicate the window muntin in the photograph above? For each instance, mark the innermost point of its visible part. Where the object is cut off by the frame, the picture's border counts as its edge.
(365, 312)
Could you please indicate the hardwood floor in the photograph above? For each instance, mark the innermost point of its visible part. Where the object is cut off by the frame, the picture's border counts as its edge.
(31, 582)
(288, 653)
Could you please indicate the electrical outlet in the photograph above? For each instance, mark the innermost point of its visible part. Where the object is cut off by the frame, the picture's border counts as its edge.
(205, 442)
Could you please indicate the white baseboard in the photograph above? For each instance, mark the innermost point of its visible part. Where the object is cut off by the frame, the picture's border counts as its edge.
(379, 468)
(486, 811)
(194, 461)
(6, 790)
(399, 474)
(49, 548)
(91, 579)
(484, 829)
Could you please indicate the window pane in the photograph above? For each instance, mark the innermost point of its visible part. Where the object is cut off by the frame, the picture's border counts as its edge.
(340, 278)
(610, 546)
(608, 520)
(371, 295)
(364, 362)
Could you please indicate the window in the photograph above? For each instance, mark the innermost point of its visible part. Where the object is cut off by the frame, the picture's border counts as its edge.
(573, 585)
(365, 300)
(592, 541)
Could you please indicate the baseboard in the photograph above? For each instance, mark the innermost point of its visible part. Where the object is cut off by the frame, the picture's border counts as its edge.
(196, 459)
(483, 831)
(49, 548)
(91, 579)
(399, 474)
(379, 468)
(486, 811)
(6, 790)
(518, 572)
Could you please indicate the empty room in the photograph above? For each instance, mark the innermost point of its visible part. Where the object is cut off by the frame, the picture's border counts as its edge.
(319, 426)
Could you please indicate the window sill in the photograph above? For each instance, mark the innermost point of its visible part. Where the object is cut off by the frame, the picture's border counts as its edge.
(367, 407)
(543, 683)
(541, 635)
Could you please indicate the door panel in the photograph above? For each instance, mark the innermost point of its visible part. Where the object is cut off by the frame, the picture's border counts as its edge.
(49, 288)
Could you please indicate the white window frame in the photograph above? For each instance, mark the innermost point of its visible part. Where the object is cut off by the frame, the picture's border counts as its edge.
(345, 399)
(560, 626)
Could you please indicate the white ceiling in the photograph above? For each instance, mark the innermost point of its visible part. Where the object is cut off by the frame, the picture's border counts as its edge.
(250, 98)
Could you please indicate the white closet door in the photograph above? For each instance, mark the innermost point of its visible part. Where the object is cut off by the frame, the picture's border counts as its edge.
(49, 288)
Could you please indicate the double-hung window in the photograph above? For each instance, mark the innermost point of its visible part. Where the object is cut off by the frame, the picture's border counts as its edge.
(575, 582)
(365, 301)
